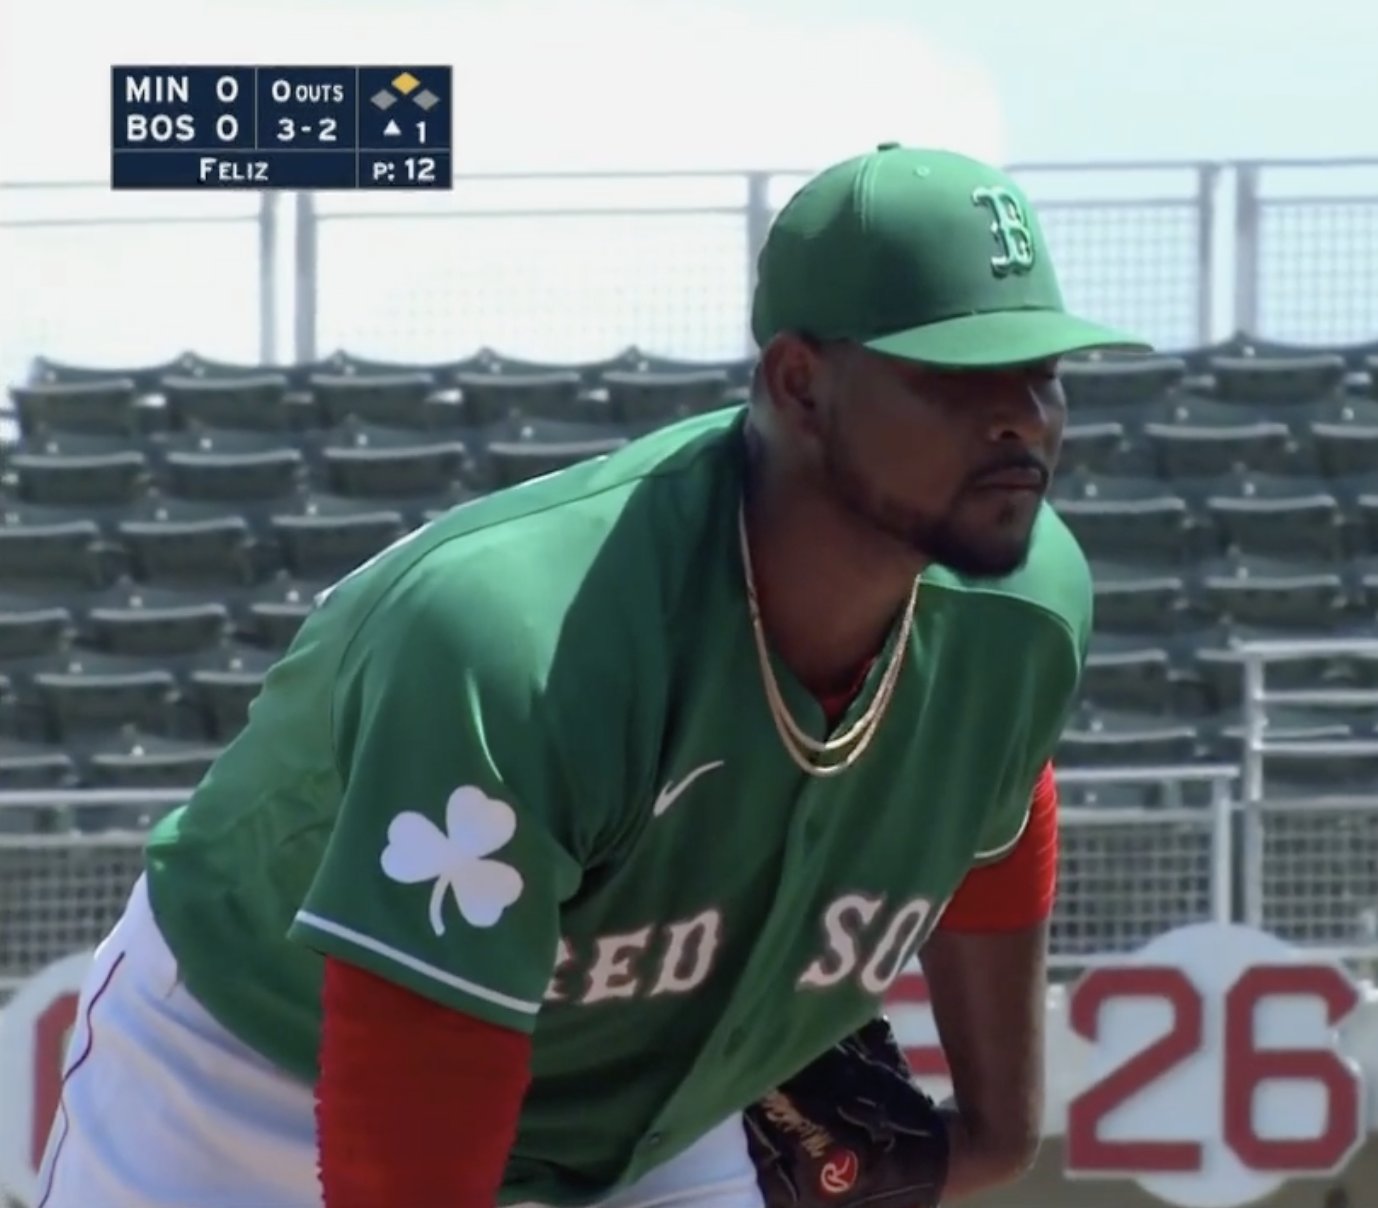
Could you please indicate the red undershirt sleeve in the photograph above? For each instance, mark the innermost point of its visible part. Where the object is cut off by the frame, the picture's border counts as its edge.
(1017, 891)
(416, 1103)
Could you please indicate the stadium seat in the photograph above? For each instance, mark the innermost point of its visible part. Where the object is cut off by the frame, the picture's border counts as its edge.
(231, 467)
(36, 552)
(31, 625)
(1123, 382)
(737, 370)
(345, 362)
(1129, 518)
(1195, 438)
(1103, 738)
(32, 765)
(589, 373)
(1366, 585)
(397, 401)
(511, 462)
(80, 692)
(1286, 517)
(56, 477)
(138, 619)
(1276, 381)
(1127, 673)
(489, 399)
(1346, 438)
(370, 462)
(255, 403)
(1315, 775)
(1198, 358)
(181, 542)
(146, 378)
(1245, 345)
(1094, 447)
(1365, 504)
(327, 536)
(275, 611)
(1273, 593)
(644, 401)
(1127, 795)
(223, 683)
(98, 408)
(1137, 599)
(132, 760)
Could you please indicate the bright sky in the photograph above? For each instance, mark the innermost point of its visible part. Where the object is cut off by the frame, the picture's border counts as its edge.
(646, 85)
(593, 84)
(673, 83)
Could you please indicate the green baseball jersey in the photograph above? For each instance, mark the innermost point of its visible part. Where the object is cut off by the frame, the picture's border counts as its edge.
(522, 763)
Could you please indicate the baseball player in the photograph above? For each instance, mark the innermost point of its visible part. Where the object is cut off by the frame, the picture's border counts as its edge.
(570, 851)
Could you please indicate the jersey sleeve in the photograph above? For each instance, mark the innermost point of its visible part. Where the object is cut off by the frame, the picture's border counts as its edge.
(1048, 684)
(451, 852)
(1017, 891)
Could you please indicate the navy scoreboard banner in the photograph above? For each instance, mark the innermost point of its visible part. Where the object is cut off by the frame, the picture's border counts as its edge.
(281, 128)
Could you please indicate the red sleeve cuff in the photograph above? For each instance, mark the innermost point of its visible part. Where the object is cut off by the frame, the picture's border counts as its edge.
(1017, 891)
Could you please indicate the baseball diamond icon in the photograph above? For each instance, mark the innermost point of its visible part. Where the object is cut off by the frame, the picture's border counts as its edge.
(406, 84)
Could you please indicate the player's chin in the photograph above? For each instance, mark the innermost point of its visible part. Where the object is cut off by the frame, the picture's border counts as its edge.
(991, 550)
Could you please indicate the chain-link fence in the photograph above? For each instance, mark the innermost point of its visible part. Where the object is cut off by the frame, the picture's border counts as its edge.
(1311, 277)
(570, 267)
(1127, 875)
(1319, 872)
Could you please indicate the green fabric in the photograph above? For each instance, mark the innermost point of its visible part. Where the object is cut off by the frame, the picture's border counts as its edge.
(522, 763)
(921, 254)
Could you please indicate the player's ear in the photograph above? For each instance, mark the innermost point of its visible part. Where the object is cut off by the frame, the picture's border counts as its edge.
(789, 377)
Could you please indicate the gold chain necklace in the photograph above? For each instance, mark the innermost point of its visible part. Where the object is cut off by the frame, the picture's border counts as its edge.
(836, 755)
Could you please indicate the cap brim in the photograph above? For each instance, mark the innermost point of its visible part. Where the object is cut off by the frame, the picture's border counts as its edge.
(1007, 337)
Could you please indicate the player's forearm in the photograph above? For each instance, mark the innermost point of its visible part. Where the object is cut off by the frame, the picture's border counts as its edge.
(980, 1158)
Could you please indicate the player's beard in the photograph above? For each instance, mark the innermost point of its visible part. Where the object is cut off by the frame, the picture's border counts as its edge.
(945, 539)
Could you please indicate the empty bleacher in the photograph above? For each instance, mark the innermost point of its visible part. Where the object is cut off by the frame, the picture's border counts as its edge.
(164, 529)
(1223, 495)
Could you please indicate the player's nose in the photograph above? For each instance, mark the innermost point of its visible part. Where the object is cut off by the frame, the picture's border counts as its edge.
(1017, 412)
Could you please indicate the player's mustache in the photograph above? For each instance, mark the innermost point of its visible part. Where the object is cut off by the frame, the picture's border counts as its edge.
(1024, 463)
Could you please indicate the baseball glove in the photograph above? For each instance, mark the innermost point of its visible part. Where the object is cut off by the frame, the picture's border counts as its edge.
(850, 1129)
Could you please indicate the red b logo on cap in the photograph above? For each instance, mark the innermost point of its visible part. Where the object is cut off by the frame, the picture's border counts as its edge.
(839, 1172)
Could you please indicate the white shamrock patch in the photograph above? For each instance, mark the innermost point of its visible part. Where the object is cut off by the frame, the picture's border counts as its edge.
(476, 825)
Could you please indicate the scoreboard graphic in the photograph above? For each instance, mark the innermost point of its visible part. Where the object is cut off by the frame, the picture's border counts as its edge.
(281, 128)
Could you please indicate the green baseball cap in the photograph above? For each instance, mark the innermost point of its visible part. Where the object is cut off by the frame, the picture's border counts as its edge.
(925, 255)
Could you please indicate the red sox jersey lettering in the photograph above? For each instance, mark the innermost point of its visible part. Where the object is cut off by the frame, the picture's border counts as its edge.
(677, 958)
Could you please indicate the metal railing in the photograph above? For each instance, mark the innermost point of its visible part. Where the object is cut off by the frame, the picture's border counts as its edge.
(1309, 870)
(132, 278)
(1306, 869)
(572, 266)
(68, 859)
(1176, 250)
(1128, 874)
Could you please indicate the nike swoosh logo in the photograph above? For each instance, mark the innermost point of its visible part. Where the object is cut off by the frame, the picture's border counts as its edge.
(672, 792)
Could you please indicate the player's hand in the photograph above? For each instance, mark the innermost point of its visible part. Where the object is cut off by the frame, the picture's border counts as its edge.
(850, 1129)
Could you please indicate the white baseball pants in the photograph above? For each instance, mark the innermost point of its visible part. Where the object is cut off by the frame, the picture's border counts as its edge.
(162, 1108)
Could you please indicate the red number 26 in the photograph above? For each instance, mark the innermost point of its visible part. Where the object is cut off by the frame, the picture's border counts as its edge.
(1246, 1068)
